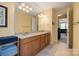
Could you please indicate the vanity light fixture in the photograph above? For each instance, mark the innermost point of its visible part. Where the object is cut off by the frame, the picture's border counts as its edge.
(24, 7)
(39, 15)
(27, 7)
(59, 15)
(20, 7)
(23, 4)
(30, 8)
(27, 10)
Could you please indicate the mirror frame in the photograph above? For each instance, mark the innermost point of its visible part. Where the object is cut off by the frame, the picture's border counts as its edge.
(5, 15)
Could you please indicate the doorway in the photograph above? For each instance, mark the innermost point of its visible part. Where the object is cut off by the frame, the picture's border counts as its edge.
(63, 28)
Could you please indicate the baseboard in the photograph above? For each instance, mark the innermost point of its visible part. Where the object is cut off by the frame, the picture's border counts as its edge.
(75, 52)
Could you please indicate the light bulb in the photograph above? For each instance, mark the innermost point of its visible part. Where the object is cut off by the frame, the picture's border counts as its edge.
(59, 15)
(20, 7)
(27, 7)
(39, 15)
(27, 10)
(24, 9)
(30, 8)
(23, 4)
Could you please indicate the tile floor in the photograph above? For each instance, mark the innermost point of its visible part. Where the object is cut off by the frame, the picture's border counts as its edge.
(59, 49)
(63, 37)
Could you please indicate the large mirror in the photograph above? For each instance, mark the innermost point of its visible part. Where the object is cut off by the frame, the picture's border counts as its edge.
(3, 16)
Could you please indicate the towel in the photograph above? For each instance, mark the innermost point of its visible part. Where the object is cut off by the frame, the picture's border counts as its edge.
(9, 39)
(10, 50)
(0, 50)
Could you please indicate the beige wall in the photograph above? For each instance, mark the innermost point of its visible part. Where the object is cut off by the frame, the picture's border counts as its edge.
(45, 20)
(76, 28)
(5, 31)
(23, 22)
(45, 23)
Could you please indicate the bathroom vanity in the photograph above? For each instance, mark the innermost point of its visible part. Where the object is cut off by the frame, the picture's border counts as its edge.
(32, 43)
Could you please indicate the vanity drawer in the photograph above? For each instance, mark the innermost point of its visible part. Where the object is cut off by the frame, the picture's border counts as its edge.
(25, 40)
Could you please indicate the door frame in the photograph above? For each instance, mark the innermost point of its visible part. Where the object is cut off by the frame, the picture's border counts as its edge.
(67, 31)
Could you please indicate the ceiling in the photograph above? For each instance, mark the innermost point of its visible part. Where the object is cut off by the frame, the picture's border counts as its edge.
(41, 6)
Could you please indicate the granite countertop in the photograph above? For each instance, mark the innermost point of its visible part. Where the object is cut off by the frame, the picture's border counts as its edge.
(27, 35)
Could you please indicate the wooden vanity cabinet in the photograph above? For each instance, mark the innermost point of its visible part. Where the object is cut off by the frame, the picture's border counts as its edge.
(32, 45)
(35, 46)
(29, 46)
(47, 38)
(25, 48)
(42, 39)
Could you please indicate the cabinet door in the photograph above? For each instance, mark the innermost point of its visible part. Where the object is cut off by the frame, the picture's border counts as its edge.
(26, 49)
(36, 46)
(48, 39)
(43, 43)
